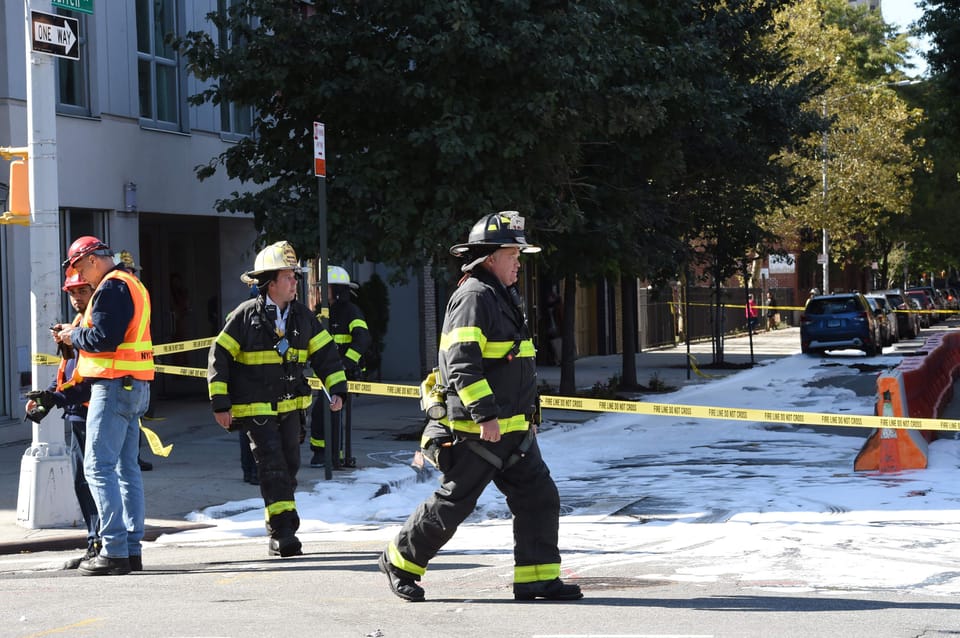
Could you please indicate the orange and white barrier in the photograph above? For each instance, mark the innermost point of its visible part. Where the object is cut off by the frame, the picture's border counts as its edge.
(921, 386)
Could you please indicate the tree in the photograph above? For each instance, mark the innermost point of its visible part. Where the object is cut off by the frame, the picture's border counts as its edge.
(860, 163)
(430, 119)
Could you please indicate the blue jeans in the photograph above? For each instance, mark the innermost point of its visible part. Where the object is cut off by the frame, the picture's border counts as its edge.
(87, 506)
(110, 463)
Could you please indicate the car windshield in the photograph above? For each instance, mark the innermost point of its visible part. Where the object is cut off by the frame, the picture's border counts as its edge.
(832, 306)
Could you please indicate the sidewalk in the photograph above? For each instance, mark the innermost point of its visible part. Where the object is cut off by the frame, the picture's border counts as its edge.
(203, 468)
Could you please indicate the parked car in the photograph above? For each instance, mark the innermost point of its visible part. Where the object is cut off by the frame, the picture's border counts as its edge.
(939, 303)
(908, 323)
(928, 309)
(840, 321)
(950, 300)
(888, 321)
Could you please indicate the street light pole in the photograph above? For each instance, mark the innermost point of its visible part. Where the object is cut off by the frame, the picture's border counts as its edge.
(826, 239)
(824, 184)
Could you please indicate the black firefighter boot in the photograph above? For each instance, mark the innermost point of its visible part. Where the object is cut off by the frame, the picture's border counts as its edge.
(554, 589)
(405, 588)
(284, 546)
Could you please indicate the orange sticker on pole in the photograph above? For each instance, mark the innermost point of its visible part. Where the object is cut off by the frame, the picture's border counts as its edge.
(319, 151)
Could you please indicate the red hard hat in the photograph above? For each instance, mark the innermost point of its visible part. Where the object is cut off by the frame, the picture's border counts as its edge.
(83, 246)
(73, 280)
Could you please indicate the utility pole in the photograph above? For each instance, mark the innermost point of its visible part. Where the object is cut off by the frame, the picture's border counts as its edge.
(45, 497)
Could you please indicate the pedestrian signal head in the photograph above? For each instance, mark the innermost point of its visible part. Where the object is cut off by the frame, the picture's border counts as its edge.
(83, 246)
(275, 257)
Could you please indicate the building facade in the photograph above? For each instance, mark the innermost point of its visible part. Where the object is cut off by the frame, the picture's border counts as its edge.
(127, 144)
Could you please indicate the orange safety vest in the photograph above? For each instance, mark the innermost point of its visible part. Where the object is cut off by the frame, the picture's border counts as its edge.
(62, 382)
(133, 357)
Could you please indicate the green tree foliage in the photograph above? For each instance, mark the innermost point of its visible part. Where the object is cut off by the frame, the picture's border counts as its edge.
(941, 23)
(860, 163)
(931, 246)
(435, 113)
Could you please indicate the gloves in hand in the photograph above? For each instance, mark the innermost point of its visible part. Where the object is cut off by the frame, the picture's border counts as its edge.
(44, 398)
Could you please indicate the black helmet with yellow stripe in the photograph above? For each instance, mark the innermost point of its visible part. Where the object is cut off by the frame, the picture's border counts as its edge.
(492, 232)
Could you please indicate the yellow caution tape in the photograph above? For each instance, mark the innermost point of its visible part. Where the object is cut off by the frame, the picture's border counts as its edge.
(385, 389)
(696, 370)
(580, 403)
(181, 346)
(747, 414)
(156, 445)
(180, 370)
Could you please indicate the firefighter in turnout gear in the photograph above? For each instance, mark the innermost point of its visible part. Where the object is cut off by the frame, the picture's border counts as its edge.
(348, 327)
(487, 368)
(257, 384)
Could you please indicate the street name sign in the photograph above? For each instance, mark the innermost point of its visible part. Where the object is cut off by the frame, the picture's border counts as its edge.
(55, 35)
(83, 6)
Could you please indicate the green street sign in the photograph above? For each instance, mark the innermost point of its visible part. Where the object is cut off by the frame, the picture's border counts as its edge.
(83, 6)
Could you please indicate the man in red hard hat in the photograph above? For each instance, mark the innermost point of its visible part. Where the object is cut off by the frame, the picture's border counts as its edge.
(116, 357)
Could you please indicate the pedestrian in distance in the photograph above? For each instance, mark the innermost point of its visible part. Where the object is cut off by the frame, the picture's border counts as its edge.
(72, 395)
(116, 357)
(257, 383)
(349, 330)
(773, 315)
(751, 314)
(488, 389)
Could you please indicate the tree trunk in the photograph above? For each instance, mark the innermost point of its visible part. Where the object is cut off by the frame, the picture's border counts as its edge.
(568, 351)
(628, 312)
(717, 323)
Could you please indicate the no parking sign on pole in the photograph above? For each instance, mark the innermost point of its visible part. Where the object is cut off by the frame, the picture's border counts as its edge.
(320, 170)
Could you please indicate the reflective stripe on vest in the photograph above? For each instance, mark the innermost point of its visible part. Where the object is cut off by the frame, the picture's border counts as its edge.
(134, 356)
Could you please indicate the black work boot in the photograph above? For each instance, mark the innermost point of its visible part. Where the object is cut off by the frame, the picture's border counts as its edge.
(105, 566)
(285, 546)
(554, 589)
(405, 588)
(91, 552)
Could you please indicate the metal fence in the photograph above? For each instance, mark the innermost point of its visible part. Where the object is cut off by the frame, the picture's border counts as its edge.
(661, 320)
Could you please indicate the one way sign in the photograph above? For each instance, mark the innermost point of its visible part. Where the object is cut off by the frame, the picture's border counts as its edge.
(55, 35)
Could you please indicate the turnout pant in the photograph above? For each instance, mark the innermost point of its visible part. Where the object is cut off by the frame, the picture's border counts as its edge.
(531, 496)
(275, 443)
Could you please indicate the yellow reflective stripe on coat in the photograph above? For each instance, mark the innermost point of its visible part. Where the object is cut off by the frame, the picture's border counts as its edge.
(229, 344)
(218, 388)
(347, 338)
(318, 341)
(466, 334)
(499, 349)
(337, 377)
(352, 354)
(259, 357)
(536, 573)
(398, 561)
(516, 423)
(474, 392)
(279, 508)
(240, 410)
(357, 323)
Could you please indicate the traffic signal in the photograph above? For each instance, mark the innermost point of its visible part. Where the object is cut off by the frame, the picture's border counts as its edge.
(18, 203)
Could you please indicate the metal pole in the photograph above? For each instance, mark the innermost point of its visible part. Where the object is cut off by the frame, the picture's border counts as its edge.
(826, 240)
(322, 265)
(45, 497)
